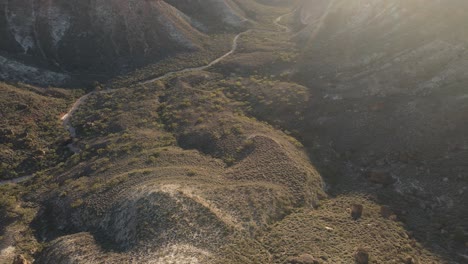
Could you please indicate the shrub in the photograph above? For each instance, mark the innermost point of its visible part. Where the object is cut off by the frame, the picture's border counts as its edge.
(77, 203)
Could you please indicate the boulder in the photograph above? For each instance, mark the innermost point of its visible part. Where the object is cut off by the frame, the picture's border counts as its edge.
(356, 211)
(386, 212)
(361, 256)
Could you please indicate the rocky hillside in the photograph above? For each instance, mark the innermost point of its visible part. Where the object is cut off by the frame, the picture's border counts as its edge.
(406, 46)
(29, 139)
(405, 60)
(390, 104)
(96, 35)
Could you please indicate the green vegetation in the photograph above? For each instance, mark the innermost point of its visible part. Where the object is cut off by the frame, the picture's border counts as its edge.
(269, 99)
(31, 135)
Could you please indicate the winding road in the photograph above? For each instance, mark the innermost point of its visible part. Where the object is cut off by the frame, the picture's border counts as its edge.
(278, 20)
(201, 68)
(16, 180)
(66, 119)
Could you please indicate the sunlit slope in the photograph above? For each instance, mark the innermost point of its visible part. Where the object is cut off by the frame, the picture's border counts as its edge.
(396, 67)
(390, 83)
(387, 46)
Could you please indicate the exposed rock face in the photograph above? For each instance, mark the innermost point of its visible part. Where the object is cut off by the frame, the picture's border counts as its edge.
(96, 34)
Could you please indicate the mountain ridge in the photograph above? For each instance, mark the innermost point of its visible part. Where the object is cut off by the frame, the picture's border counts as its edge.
(94, 36)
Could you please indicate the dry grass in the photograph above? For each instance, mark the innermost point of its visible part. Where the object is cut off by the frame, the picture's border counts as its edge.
(330, 234)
